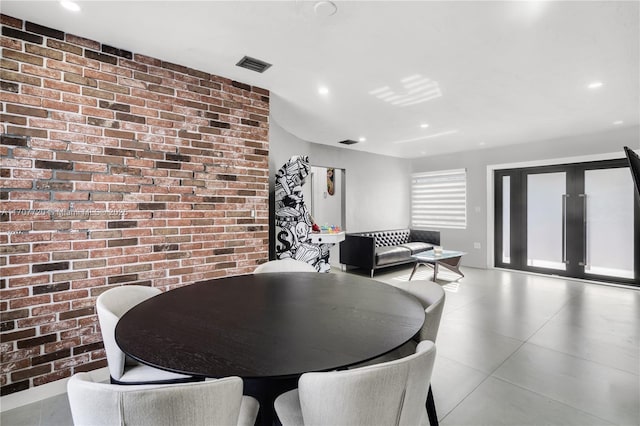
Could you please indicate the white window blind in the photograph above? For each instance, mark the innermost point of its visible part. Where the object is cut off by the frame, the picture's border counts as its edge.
(439, 199)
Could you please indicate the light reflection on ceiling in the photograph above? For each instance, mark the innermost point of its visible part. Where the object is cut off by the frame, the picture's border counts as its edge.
(416, 89)
(435, 135)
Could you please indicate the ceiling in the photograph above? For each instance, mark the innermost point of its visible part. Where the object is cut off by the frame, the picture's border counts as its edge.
(480, 74)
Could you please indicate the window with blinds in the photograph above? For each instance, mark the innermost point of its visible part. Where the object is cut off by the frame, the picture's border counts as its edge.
(439, 199)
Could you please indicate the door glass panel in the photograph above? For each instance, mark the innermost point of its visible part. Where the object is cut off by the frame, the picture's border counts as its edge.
(506, 219)
(609, 222)
(545, 220)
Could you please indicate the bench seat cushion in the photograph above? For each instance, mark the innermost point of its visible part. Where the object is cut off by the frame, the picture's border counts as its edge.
(387, 255)
(417, 247)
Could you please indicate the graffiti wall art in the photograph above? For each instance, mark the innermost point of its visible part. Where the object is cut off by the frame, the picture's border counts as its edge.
(294, 223)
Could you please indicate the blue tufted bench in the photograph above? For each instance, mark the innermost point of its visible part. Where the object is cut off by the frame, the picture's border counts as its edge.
(379, 249)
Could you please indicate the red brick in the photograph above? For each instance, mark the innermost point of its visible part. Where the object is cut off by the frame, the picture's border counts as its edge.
(60, 106)
(20, 99)
(10, 21)
(82, 61)
(56, 375)
(114, 167)
(60, 45)
(101, 94)
(63, 66)
(14, 270)
(43, 93)
(47, 124)
(30, 301)
(78, 79)
(64, 87)
(97, 75)
(84, 42)
(22, 57)
(35, 371)
(13, 119)
(41, 72)
(43, 51)
(20, 78)
(11, 66)
(110, 87)
(11, 43)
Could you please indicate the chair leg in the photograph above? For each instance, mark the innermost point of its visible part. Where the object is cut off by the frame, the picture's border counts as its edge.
(431, 409)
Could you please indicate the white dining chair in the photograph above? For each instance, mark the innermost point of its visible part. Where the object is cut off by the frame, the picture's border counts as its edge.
(432, 297)
(391, 393)
(284, 265)
(110, 306)
(213, 402)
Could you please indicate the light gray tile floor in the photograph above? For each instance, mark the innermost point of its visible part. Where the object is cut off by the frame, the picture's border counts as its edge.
(519, 349)
(513, 349)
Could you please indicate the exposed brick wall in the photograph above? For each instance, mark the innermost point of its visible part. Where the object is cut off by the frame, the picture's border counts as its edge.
(117, 169)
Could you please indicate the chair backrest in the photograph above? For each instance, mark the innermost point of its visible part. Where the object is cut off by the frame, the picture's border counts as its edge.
(284, 265)
(391, 393)
(212, 402)
(111, 305)
(432, 297)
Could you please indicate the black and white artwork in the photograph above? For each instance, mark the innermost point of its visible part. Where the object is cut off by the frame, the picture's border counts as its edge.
(293, 220)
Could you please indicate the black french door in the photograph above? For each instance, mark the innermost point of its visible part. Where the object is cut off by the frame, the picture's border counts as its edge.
(576, 220)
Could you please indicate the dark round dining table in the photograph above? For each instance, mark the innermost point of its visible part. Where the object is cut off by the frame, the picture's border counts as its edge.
(269, 328)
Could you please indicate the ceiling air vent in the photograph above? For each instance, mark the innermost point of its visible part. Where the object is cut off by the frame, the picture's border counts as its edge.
(253, 64)
(348, 142)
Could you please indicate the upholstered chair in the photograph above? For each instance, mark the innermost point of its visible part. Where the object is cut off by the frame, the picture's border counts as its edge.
(214, 402)
(284, 265)
(111, 305)
(391, 393)
(432, 297)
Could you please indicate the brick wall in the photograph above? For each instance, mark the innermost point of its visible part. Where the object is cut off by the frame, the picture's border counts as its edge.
(117, 169)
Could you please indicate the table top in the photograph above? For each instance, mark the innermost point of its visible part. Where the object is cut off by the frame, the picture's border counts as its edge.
(276, 325)
(430, 255)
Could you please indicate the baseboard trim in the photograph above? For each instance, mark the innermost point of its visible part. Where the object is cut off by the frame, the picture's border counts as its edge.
(38, 393)
(561, 277)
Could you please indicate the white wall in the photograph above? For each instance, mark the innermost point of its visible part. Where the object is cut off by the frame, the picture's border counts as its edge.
(477, 161)
(376, 186)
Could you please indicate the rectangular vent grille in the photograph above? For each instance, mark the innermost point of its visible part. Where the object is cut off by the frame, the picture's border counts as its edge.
(348, 142)
(253, 64)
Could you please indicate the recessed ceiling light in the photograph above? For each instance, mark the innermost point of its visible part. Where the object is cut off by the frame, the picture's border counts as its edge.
(617, 123)
(362, 139)
(323, 90)
(325, 8)
(595, 85)
(70, 5)
(423, 152)
(482, 143)
(424, 125)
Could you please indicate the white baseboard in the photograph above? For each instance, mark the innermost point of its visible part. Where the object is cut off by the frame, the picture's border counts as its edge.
(38, 393)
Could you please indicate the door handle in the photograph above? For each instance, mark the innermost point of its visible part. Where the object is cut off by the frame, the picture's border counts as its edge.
(564, 228)
(584, 230)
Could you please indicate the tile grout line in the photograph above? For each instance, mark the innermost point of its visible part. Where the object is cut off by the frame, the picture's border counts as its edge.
(523, 342)
(566, 353)
(551, 399)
